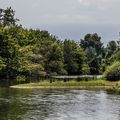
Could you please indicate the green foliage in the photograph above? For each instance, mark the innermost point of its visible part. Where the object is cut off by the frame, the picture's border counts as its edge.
(30, 53)
(92, 41)
(112, 72)
(69, 84)
(2, 64)
(85, 69)
(73, 57)
(55, 59)
(7, 17)
(94, 52)
(20, 79)
(111, 48)
(115, 56)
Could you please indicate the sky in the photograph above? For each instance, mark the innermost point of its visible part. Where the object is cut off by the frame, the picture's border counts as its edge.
(69, 19)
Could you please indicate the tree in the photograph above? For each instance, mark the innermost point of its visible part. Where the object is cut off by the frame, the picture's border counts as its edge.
(94, 52)
(55, 60)
(9, 54)
(7, 17)
(111, 48)
(93, 41)
(1, 15)
(73, 57)
(112, 72)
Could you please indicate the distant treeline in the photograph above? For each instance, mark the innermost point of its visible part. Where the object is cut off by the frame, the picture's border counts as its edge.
(34, 53)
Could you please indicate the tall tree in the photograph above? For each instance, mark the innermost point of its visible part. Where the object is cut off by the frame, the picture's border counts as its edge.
(73, 57)
(111, 48)
(1, 15)
(7, 17)
(94, 51)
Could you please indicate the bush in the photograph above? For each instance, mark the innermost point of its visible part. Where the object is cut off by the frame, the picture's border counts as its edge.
(112, 72)
(21, 79)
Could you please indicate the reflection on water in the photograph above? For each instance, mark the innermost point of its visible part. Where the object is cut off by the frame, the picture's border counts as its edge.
(58, 105)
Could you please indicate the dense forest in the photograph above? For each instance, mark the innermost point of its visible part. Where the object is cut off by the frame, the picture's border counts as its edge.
(34, 53)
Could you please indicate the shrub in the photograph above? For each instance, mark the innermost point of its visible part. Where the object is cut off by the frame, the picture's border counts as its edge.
(21, 79)
(112, 72)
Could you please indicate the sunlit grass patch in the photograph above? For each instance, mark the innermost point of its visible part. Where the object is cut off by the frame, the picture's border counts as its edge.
(72, 83)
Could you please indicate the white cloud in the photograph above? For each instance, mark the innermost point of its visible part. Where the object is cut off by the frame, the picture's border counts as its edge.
(65, 11)
(84, 3)
(99, 3)
(92, 15)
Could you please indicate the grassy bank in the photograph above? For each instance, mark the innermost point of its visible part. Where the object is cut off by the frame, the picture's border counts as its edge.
(114, 89)
(97, 84)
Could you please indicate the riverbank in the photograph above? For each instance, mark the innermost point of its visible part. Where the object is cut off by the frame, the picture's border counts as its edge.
(93, 84)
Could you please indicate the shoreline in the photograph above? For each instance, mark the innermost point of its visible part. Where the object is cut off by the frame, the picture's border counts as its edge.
(63, 87)
(94, 84)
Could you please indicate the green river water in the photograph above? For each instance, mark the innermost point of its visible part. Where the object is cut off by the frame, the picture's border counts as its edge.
(58, 105)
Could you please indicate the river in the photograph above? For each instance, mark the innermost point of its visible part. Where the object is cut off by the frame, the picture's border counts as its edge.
(58, 105)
